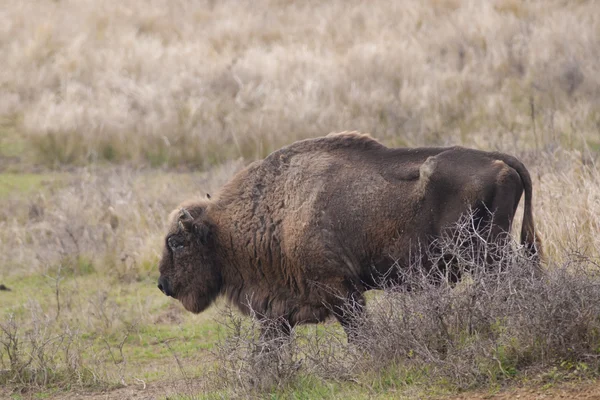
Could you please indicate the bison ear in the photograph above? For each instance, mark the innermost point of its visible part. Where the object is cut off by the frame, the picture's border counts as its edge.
(203, 232)
(186, 221)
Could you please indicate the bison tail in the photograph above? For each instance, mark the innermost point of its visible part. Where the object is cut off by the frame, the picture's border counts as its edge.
(529, 238)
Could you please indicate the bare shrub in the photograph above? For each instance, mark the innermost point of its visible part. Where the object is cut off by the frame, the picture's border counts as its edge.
(501, 319)
(40, 348)
(41, 356)
(251, 361)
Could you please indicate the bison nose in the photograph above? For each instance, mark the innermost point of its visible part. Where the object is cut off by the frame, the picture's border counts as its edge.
(163, 286)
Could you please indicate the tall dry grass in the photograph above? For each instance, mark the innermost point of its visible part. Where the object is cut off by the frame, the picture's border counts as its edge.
(180, 82)
(105, 220)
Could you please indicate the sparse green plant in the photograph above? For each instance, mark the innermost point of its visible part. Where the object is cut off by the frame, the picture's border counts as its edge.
(42, 356)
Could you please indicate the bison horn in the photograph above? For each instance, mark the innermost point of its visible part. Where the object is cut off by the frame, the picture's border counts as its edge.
(186, 221)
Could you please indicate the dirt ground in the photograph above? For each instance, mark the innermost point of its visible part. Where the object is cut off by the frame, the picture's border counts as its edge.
(580, 390)
(158, 390)
(164, 390)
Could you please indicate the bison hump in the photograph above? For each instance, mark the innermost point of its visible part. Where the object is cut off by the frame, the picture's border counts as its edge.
(334, 141)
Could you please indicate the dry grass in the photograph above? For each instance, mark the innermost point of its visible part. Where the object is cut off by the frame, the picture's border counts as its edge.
(112, 219)
(197, 83)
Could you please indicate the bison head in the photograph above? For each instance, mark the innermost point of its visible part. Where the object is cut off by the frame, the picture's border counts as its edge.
(188, 272)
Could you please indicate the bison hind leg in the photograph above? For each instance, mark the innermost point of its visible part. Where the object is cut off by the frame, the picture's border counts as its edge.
(477, 243)
(449, 269)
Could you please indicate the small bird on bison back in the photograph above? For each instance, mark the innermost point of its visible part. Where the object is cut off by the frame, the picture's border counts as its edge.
(297, 235)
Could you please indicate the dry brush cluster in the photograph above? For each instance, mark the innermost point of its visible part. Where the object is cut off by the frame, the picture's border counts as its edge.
(499, 322)
(78, 344)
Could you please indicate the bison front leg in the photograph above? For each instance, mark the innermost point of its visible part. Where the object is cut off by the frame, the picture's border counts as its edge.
(272, 329)
(350, 314)
(274, 332)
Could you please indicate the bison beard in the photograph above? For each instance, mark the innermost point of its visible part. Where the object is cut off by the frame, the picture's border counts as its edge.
(297, 235)
(194, 303)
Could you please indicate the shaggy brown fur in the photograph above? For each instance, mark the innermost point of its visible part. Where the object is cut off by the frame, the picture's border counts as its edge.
(294, 235)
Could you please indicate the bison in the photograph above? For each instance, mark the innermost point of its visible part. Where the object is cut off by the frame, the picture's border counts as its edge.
(294, 236)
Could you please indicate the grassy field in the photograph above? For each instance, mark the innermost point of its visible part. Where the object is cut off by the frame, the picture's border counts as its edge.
(112, 113)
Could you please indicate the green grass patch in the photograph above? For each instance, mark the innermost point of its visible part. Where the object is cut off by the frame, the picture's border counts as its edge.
(23, 184)
(115, 332)
(308, 387)
(157, 341)
(13, 145)
(22, 289)
(59, 148)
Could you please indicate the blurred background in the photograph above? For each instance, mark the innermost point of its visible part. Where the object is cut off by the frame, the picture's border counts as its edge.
(113, 112)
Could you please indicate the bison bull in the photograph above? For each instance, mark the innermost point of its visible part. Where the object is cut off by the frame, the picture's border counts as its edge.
(292, 237)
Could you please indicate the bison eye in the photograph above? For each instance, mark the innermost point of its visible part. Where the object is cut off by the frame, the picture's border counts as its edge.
(175, 243)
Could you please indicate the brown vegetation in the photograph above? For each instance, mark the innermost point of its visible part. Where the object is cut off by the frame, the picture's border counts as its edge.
(198, 83)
